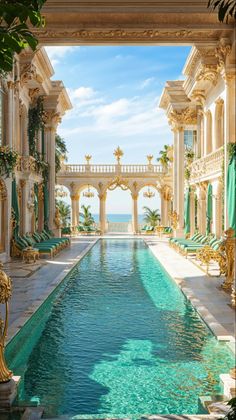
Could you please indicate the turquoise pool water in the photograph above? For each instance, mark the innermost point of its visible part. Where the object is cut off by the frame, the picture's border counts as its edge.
(118, 338)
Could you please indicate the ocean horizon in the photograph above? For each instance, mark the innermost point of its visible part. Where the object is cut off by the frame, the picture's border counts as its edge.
(119, 217)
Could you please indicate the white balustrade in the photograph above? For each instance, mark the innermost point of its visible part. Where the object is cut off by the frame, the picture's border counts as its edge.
(114, 169)
(207, 165)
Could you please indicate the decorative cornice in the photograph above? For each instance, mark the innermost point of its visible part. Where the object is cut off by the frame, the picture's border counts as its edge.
(199, 97)
(99, 35)
(51, 117)
(207, 72)
(221, 53)
(185, 117)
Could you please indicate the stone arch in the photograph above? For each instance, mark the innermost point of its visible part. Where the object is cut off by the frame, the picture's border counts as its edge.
(219, 123)
(3, 215)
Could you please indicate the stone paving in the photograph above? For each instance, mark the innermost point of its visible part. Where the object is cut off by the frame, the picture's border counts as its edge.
(32, 283)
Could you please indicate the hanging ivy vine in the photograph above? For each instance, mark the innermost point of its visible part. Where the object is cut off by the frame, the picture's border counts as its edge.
(8, 161)
(35, 123)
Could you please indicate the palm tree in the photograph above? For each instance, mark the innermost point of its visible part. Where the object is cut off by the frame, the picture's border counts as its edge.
(65, 211)
(151, 216)
(60, 151)
(225, 8)
(164, 159)
(88, 219)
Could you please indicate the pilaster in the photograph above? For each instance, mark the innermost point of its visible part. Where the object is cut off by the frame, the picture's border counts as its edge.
(135, 212)
(102, 212)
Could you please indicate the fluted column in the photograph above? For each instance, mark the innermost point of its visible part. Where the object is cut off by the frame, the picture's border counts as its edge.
(192, 213)
(180, 179)
(164, 210)
(10, 113)
(77, 208)
(216, 209)
(175, 169)
(52, 120)
(74, 220)
(201, 209)
(135, 212)
(102, 212)
(229, 131)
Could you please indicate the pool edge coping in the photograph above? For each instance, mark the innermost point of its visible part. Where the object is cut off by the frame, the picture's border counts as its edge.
(20, 322)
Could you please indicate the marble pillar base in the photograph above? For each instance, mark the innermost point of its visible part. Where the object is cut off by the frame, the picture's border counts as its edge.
(8, 392)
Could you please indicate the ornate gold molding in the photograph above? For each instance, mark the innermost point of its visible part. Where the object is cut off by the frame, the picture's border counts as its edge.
(118, 182)
(208, 72)
(97, 35)
(3, 190)
(186, 116)
(5, 295)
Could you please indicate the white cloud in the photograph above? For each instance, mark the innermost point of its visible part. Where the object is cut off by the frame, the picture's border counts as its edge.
(147, 82)
(82, 93)
(126, 116)
(56, 53)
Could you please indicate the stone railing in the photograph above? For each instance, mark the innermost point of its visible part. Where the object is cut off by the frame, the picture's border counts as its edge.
(27, 164)
(112, 169)
(207, 166)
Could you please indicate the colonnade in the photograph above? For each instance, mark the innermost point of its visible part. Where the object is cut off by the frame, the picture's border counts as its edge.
(75, 199)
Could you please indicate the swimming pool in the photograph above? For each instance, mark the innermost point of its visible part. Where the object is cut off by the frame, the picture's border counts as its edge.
(118, 338)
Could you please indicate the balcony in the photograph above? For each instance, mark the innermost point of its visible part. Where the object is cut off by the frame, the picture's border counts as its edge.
(112, 169)
(207, 167)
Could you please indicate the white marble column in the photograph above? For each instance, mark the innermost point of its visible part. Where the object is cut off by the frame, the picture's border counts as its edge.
(50, 133)
(77, 208)
(175, 170)
(229, 131)
(216, 208)
(192, 213)
(201, 210)
(164, 210)
(102, 212)
(74, 220)
(180, 181)
(135, 212)
(10, 114)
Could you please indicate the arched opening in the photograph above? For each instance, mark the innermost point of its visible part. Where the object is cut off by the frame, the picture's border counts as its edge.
(63, 203)
(3, 198)
(119, 211)
(149, 197)
(87, 198)
(219, 124)
(208, 146)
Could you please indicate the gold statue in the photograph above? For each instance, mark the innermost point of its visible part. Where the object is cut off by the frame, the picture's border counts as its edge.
(88, 158)
(118, 153)
(228, 246)
(5, 294)
(174, 219)
(149, 158)
(57, 219)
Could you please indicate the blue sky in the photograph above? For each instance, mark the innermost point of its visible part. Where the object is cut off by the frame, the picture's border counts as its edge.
(115, 93)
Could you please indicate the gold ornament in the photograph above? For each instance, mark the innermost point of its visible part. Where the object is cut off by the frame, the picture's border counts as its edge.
(118, 153)
(5, 295)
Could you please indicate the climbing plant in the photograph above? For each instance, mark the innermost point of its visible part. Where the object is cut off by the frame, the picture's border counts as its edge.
(35, 123)
(8, 161)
